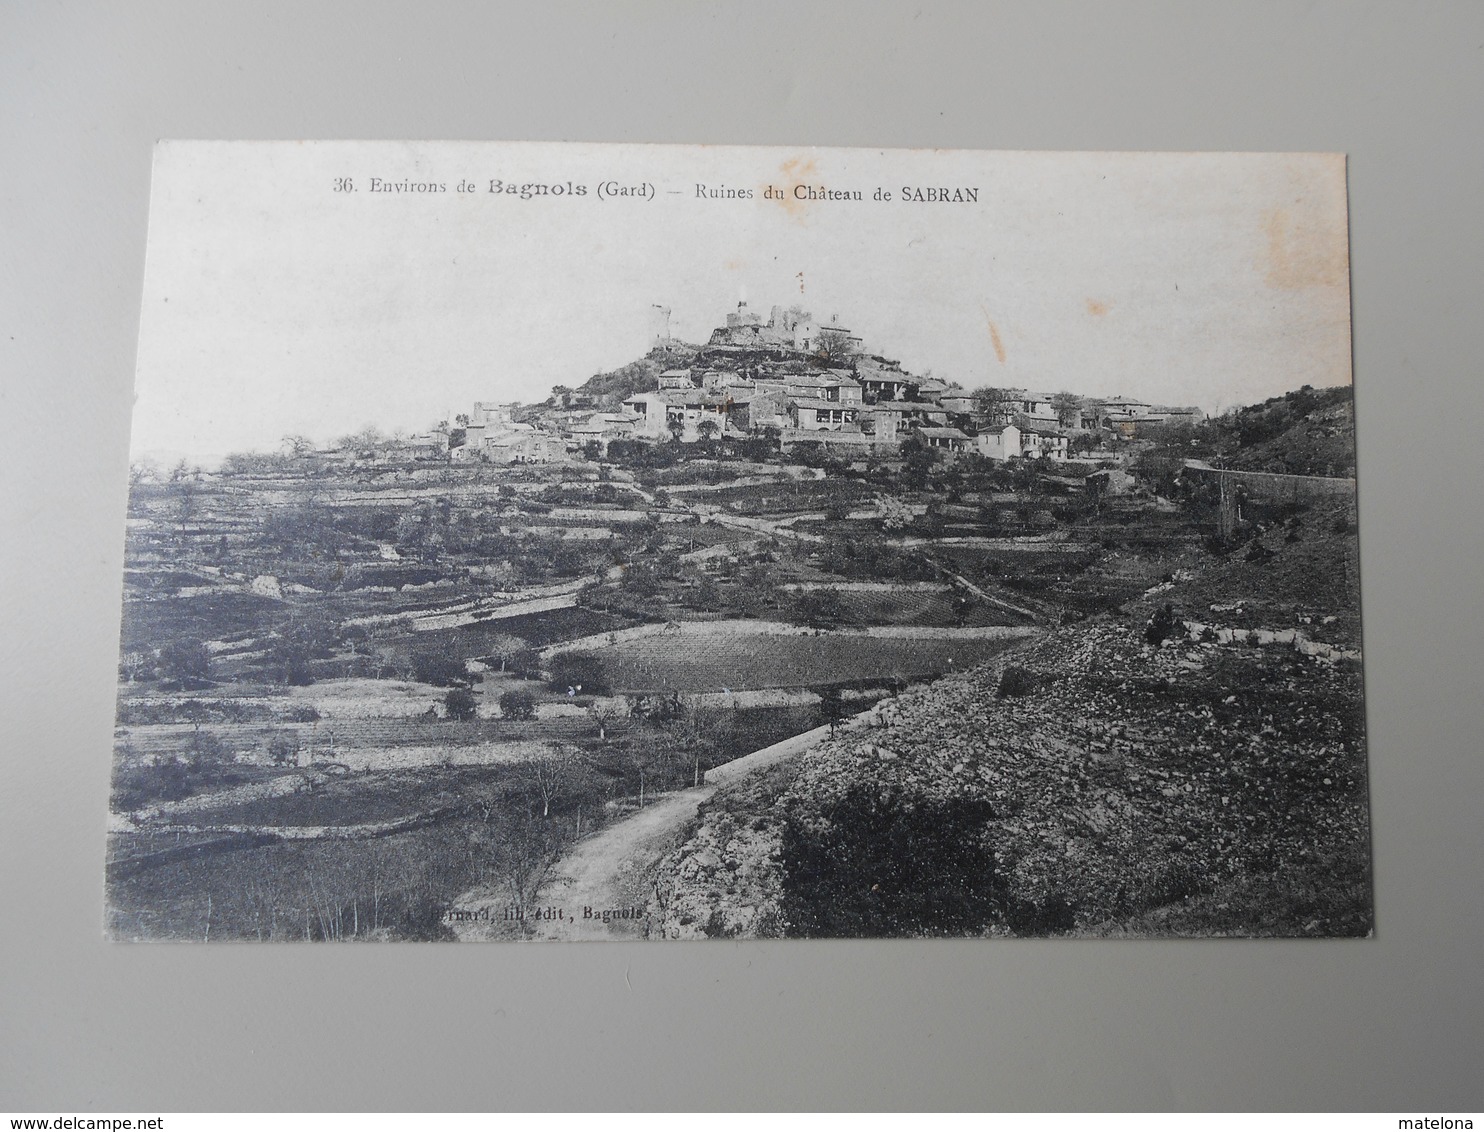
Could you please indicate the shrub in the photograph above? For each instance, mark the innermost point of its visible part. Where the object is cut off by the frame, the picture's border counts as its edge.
(639, 579)
(185, 662)
(163, 782)
(283, 748)
(1017, 681)
(566, 562)
(295, 643)
(439, 669)
(460, 704)
(1162, 626)
(525, 662)
(205, 749)
(706, 594)
(578, 671)
(517, 704)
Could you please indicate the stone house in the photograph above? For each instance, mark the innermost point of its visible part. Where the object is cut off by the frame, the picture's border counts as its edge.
(473, 445)
(655, 412)
(676, 379)
(494, 413)
(931, 389)
(1126, 416)
(523, 444)
(887, 420)
(948, 439)
(814, 414)
(603, 428)
(999, 442)
(1037, 442)
(884, 383)
(426, 446)
(1109, 481)
(1036, 409)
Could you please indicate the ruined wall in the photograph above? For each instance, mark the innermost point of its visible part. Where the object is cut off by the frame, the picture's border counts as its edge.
(1275, 486)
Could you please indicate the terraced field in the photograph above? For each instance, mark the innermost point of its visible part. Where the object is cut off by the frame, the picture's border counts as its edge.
(709, 662)
(935, 610)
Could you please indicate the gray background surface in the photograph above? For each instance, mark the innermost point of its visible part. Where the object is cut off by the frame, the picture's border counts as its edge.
(1391, 1023)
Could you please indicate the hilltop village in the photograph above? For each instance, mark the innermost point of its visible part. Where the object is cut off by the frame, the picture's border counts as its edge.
(794, 380)
(900, 658)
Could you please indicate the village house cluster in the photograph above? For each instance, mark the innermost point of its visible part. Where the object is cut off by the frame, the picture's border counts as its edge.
(801, 381)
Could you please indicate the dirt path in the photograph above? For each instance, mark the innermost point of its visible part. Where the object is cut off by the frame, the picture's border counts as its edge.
(610, 870)
(981, 595)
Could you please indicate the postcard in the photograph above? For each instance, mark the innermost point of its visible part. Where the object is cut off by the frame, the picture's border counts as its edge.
(538, 541)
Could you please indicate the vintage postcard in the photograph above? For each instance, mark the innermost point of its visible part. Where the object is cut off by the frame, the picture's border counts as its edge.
(584, 542)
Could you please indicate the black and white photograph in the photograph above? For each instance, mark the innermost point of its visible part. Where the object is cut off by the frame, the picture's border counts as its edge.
(557, 541)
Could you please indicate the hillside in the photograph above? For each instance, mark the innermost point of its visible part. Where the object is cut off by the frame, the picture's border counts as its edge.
(608, 390)
(1306, 433)
(1310, 432)
(1214, 784)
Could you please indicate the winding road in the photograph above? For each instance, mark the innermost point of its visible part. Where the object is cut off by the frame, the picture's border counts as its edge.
(612, 868)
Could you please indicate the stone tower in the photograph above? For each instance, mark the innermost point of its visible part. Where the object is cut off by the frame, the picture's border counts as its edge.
(659, 324)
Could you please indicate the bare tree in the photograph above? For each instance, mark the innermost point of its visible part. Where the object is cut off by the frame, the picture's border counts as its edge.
(674, 751)
(134, 666)
(369, 442)
(183, 488)
(525, 854)
(834, 347)
(297, 447)
(605, 713)
(1068, 408)
(143, 471)
(559, 776)
(996, 405)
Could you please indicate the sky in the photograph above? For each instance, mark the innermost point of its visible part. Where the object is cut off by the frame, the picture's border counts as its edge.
(280, 299)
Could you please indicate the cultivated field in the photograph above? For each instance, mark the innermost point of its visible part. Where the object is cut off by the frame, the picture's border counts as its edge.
(736, 661)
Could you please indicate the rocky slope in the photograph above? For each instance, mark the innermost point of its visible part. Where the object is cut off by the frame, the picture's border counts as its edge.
(1213, 783)
(609, 390)
(1308, 432)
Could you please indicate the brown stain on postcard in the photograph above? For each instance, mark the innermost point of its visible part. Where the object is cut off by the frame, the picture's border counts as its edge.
(1305, 247)
(994, 336)
(796, 171)
(1097, 307)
